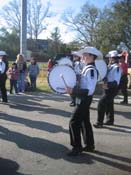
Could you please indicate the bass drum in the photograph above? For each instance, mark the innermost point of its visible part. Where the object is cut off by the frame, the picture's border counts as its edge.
(101, 66)
(56, 76)
(65, 61)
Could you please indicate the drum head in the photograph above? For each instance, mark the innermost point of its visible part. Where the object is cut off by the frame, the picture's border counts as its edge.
(55, 80)
(65, 61)
(102, 69)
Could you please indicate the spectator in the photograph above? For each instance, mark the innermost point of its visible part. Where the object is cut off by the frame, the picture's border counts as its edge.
(22, 67)
(33, 70)
(13, 74)
(49, 65)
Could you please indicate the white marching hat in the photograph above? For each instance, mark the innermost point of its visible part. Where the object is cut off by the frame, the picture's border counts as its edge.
(2, 53)
(112, 54)
(93, 51)
(76, 53)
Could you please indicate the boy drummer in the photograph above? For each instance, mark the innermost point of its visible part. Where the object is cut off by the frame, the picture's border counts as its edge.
(81, 116)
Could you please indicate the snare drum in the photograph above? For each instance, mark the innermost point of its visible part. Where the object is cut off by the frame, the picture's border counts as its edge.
(55, 79)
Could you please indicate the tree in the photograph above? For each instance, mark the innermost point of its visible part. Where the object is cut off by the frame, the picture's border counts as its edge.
(11, 15)
(115, 26)
(9, 42)
(56, 42)
(84, 23)
(122, 17)
(36, 15)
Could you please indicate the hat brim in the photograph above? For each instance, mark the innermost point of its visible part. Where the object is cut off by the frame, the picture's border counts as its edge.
(77, 53)
(113, 56)
(2, 53)
(93, 51)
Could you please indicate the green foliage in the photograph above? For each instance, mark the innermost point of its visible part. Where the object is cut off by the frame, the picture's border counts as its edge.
(9, 42)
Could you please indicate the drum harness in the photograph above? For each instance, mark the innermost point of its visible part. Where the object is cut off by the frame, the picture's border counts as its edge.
(78, 100)
(109, 70)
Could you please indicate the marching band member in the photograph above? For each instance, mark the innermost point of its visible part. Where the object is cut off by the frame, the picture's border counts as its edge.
(84, 94)
(3, 76)
(111, 84)
(77, 66)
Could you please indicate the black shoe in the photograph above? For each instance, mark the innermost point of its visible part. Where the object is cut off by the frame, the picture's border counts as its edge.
(5, 101)
(89, 148)
(75, 152)
(124, 102)
(72, 104)
(98, 125)
(108, 123)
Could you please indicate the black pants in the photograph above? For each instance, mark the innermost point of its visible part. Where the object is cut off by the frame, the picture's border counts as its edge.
(106, 106)
(33, 81)
(3, 88)
(79, 122)
(123, 87)
(13, 84)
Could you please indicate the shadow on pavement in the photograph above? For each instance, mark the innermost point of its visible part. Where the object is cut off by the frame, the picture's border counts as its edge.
(8, 167)
(103, 157)
(123, 114)
(41, 125)
(59, 151)
(34, 144)
(29, 103)
(38, 97)
(116, 128)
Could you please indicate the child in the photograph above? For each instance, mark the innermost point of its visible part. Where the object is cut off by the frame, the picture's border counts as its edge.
(13, 74)
(33, 70)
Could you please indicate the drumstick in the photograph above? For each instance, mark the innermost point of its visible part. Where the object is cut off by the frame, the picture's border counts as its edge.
(61, 75)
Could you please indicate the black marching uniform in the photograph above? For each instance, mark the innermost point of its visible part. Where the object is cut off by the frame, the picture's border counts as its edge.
(3, 78)
(106, 103)
(80, 121)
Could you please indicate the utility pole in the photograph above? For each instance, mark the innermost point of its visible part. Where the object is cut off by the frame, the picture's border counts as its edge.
(23, 31)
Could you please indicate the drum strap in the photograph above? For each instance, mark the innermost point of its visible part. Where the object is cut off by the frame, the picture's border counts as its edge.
(92, 73)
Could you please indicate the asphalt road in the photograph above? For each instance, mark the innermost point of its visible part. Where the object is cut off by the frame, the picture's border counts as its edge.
(34, 138)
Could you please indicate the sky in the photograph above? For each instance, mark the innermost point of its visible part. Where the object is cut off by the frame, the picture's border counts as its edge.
(58, 7)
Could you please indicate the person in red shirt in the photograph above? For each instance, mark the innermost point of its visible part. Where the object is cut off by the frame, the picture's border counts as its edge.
(124, 79)
(49, 65)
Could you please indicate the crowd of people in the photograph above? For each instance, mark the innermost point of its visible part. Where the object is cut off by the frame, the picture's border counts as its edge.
(17, 73)
(81, 95)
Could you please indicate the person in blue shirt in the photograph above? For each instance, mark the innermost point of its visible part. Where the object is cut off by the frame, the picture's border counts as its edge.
(111, 86)
(33, 70)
